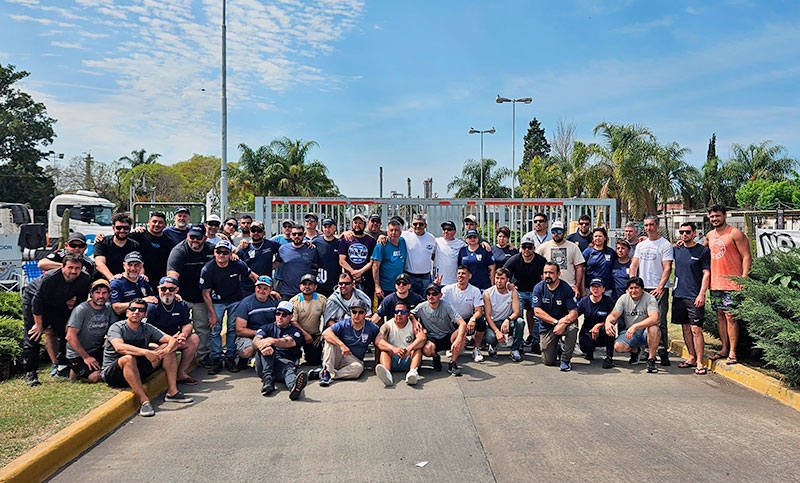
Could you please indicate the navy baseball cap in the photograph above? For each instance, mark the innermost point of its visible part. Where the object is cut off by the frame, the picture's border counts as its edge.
(168, 279)
(133, 257)
(597, 281)
(183, 209)
(198, 229)
(472, 232)
(328, 221)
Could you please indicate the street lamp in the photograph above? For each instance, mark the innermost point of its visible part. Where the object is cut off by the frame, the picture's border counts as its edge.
(223, 178)
(472, 130)
(55, 156)
(524, 100)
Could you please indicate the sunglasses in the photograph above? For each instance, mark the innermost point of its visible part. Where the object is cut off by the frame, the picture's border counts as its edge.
(557, 231)
(297, 234)
(431, 294)
(195, 237)
(256, 230)
(401, 283)
(584, 223)
(358, 312)
(167, 289)
(122, 228)
(231, 224)
(448, 229)
(212, 223)
(137, 309)
(76, 245)
(685, 232)
(527, 247)
(281, 313)
(539, 221)
(401, 311)
(342, 284)
(418, 224)
(223, 252)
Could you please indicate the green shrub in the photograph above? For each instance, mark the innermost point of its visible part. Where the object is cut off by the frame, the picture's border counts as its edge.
(11, 304)
(10, 338)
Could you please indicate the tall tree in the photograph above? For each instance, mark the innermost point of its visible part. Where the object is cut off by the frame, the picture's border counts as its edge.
(758, 161)
(541, 180)
(468, 185)
(139, 157)
(535, 143)
(562, 141)
(25, 128)
(674, 177)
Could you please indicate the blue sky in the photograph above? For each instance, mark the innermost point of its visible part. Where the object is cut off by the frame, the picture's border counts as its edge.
(398, 84)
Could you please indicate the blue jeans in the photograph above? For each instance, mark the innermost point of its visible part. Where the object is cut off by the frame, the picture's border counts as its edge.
(273, 368)
(516, 330)
(216, 332)
(419, 283)
(525, 304)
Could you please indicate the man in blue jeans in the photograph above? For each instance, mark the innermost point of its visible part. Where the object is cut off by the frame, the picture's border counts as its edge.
(220, 280)
(277, 353)
(502, 312)
(525, 270)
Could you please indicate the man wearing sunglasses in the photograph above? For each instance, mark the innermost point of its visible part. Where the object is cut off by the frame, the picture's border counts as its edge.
(540, 233)
(254, 311)
(128, 360)
(355, 255)
(583, 235)
(230, 228)
(284, 239)
(185, 263)
(213, 224)
(220, 281)
(328, 248)
(171, 316)
(567, 256)
(110, 252)
(346, 343)
(526, 269)
(420, 247)
(445, 261)
(130, 285)
(311, 220)
(401, 347)
(258, 253)
(295, 260)
(402, 293)
(277, 354)
(444, 329)
(309, 307)
(346, 295)
(76, 243)
(154, 246)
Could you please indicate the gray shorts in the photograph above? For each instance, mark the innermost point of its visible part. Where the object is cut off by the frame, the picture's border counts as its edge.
(243, 343)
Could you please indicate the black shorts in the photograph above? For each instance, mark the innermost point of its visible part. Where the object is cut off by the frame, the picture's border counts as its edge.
(480, 324)
(443, 344)
(80, 368)
(114, 377)
(684, 312)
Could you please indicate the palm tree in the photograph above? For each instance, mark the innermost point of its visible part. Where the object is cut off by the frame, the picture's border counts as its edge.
(138, 158)
(288, 173)
(758, 161)
(541, 180)
(252, 165)
(468, 185)
(674, 177)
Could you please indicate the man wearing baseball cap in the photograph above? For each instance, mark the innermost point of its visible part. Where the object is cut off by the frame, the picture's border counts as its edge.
(402, 293)
(213, 224)
(154, 246)
(178, 232)
(444, 327)
(254, 311)
(309, 307)
(595, 307)
(328, 249)
(566, 255)
(448, 246)
(374, 226)
(171, 316)
(131, 285)
(311, 220)
(76, 243)
(86, 332)
(283, 238)
(258, 253)
(526, 271)
(346, 343)
(277, 353)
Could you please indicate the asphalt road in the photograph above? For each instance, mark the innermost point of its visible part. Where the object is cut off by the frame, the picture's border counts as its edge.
(501, 421)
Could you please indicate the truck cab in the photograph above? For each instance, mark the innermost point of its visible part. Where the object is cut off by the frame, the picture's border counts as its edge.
(88, 213)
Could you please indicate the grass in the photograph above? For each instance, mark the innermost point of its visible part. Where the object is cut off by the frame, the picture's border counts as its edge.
(29, 416)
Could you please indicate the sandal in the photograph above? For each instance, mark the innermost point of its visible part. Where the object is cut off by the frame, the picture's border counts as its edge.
(685, 364)
(717, 356)
(731, 361)
(701, 371)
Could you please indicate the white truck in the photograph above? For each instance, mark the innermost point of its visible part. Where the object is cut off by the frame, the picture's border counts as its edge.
(88, 213)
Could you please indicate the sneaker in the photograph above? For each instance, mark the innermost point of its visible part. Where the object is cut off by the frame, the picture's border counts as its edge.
(384, 375)
(54, 370)
(299, 384)
(492, 351)
(178, 397)
(608, 363)
(528, 342)
(437, 362)
(589, 356)
(230, 364)
(243, 364)
(32, 379)
(470, 343)
(516, 356)
(644, 355)
(651, 365)
(267, 388)
(453, 369)
(577, 351)
(63, 371)
(449, 353)
(216, 366)
(325, 378)
(205, 362)
(634, 358)
(412, 377)
(536, 349)
(146, 410)
(251, 362)
(189, 381)
(663, 356)
(476, 355)
(314, 373)
(566, 366)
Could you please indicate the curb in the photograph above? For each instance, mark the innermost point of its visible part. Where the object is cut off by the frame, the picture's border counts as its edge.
(746, 376)
(47, 457)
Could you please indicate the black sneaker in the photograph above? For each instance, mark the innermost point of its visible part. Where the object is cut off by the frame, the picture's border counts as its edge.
(267, 388)
(536, 349)
(314, 373)
(528, 342)
(178, 397)
(651, 366)
(453, 369)
(216, 366)
(243, 364)
(492, 351)
(205, 362)
(437, 363)
(63, 371)
(32, 379)
(664, 358)
(230, 364)
(589, 356)
(644, 355)
(608, 363)
(299, 384)
(634, 358)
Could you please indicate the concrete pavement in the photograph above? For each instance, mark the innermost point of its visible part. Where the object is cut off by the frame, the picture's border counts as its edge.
(499, 422)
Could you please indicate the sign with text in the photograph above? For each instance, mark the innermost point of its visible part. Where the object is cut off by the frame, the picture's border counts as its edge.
(767, 241)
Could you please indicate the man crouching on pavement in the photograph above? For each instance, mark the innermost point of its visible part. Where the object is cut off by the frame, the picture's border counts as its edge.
(127, 361)
(277, 353)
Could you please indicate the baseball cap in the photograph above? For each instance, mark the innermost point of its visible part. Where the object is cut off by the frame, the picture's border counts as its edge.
(596, 281)
(359, 304)
(360, 216)
(375, 217)
(328, 221)
(557, 225)
(311, 215)
(264, 280)
(198, 229)
(433, 286)
(402, 276)
(471, 232)
(224, 244)
(133, 257)
(183, 209)
(527, 240)
(308, 278)
(285, 305)
(100, 282)
(168, 279)
(213, 218)
(287, 221)
(449, 223)
(76, 236)
(471, 219)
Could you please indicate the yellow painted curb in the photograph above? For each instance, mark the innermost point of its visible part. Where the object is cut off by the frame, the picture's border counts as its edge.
(47, 457)
(746, 376)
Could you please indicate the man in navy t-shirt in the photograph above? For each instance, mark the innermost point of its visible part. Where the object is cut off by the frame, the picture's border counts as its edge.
(555, 308)
(346, 344)
(595, 307)
(328, 248)
(171, 316)
(296, 259)
(355, 256)
(276, 347)
(130, 286)
(258, 253)
(253, 312)
(402, 285)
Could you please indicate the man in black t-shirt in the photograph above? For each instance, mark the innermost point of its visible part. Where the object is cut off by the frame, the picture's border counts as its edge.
(328, 249)
(110, 252)
(402, 293)
(154, 246)
(526, 271)
(76, 243)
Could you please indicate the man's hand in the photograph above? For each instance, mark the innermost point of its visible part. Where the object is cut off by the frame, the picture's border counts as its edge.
(700, 300)
(348, 235)
(438, 279)
(629, 333)
(71, 302)
(379, 292)
(213, 320)
(595, 331)
(275, 295)
(399, 352)
(656, 292)
(153, 357)
(577, 292)
(501, 337)
(138, 229)
(243, 244)
(505, 326)
(317, 341)
(470, 327)
(559, 328)
(382, 239)
(346, 350)
(307, 337)
(152, 299)
(180, 338)
(91, 363)
(610, 330)
(162, 350)
(267, 350)
(99, 238)
(36, 331)
(116, 276)
(486, 246)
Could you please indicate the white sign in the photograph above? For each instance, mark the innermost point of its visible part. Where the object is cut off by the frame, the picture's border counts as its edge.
(767, 241)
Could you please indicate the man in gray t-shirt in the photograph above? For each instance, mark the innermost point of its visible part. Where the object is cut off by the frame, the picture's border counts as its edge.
(86, 332)
(128, 360)
(445, 328)
(639, 312)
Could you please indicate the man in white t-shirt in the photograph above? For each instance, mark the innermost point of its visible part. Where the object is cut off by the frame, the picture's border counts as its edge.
(652, 262)
(445, 262)
(420, 246)
(400, 346)
(567, 256)
(467, 300)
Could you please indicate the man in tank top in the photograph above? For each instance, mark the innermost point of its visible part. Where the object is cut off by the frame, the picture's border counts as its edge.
(730, 257)
(400, 345)
(502, 310)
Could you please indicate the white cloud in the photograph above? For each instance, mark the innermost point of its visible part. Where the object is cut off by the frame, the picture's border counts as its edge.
(3, 55)
(644, 27)
(43, 21)
(66, 45)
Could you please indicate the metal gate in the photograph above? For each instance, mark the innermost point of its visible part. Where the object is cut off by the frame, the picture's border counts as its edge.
(493, 213)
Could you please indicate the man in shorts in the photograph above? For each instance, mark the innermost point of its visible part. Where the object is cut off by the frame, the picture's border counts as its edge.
(401, 347)
(309, 307)
(444, 327)
(639, 312)
(86, 332)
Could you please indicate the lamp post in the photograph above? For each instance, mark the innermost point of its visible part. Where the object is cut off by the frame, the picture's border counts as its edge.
(524, 100)
(55, 156)
(475, 131)
(223, 179)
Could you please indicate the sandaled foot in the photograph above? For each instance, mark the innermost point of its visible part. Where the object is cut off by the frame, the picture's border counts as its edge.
(701, 371)
(731, 361)
(685, 364)
(717, 356)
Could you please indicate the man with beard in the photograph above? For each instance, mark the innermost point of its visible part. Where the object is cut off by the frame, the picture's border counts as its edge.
(110, 252)
(328, 248)
(346, 343)
(526, 271)
(444, 329)
(337, 308)
(554, 305)
(76, 243)
(583, 236)
(639, 312)
(566, 255)
(245, 221)
(277, 355)
(355, 256)
(374, 226)
(295, 260)
(259, 254)
(540, 233)
(154, 246)
(180, 230)
(388, 260)
(311, 220)
(86, 332)
(253, 312)
(309, 307)
(171, 316)
(400, 346)
(402, 293)
(130, 285)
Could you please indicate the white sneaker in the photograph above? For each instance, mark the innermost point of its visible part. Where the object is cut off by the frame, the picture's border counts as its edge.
(448, 354)
(476, 355)
(412, 377)
(384, 375)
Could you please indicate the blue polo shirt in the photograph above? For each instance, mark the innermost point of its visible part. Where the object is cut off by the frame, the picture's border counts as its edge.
(290, 332)
(557, 303)
(169, 320)
(619, 274)
(356, 341)
(257, 313)
(123, 290)
(393, 259)
(478, 262)
(598, 265)
(689, 266)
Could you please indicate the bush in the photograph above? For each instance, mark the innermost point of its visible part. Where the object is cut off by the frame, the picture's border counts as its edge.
(10, 338)
(771, 310)
(11, 304)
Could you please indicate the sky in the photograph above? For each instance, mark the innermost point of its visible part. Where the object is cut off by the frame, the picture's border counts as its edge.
(399, 84)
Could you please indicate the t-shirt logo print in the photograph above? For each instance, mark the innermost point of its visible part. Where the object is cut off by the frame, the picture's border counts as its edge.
(559, 257)
(357, 253)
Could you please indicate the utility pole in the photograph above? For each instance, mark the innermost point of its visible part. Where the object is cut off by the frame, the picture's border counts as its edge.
(380, 182)
(223, 180)
(87, 171)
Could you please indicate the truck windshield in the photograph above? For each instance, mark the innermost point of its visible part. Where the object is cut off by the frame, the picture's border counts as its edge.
(102, 215)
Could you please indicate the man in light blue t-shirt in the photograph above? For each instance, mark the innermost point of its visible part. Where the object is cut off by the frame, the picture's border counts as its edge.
(388, 260)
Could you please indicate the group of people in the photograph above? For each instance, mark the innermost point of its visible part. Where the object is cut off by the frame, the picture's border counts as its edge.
(331, 296)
